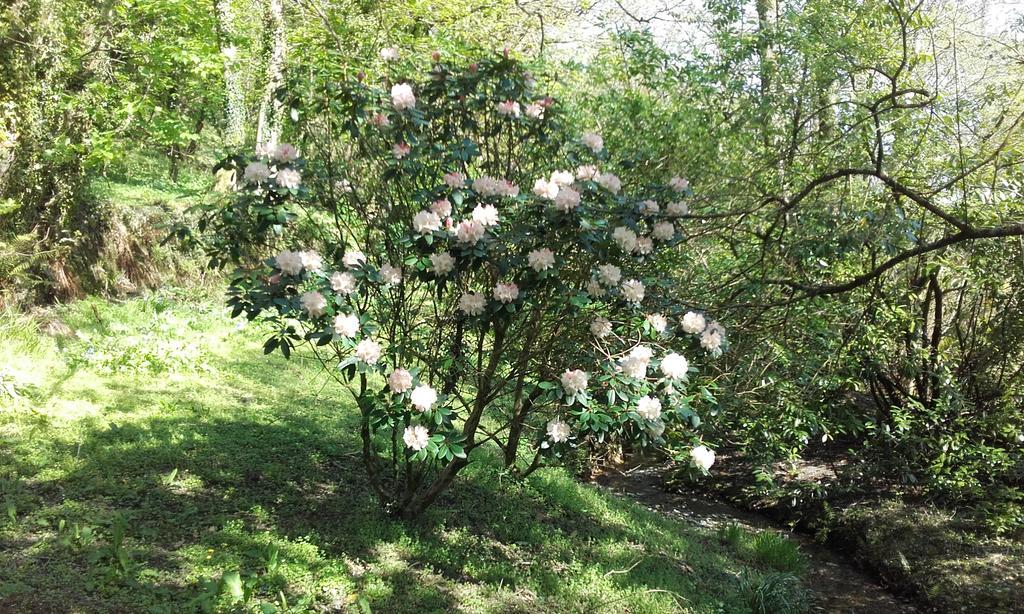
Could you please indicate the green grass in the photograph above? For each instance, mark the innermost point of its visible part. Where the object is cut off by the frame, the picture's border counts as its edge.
(157, 462)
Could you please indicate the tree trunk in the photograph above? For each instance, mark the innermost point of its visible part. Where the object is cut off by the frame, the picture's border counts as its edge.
(268, 128)
(234, 87)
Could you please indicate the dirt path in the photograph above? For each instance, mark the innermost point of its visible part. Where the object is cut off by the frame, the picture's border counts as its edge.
(839, 586)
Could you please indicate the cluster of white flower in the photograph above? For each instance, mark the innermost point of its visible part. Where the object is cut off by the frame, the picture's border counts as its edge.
(469, 232)
(675, 366)
(608, 181)
(401, 150)
(368, 351)
(390, 273)
(426, 222)
(658, 322)
(574, 381)
(601, 327)
(592, 141)
(693, 322)
(346, 325)
(313, 303)
(389, 54)
(400, 380)
(353, 259)
(663, 231)
(506, 293)
(289, 178)
(712, 337)
(454, 180)
(633, 291)
(285, 152)
(567, 199)
(442, 263)
(535, 110)
(678, 184)
(416, 437)
(635, 364)
(624, 238)
(472, 303)
(609, 274)
(541, 259)
(558, 431)
(343, 282)
(402, 97)
(485, 215)
(587, 172)
(423, 397)
(649, 408)
(293, 263)
(491, 187)
(677, 209)
(702, 457)
(256, 172)
(508, 108)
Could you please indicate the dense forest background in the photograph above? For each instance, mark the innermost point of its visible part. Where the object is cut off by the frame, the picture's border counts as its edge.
(858, 170)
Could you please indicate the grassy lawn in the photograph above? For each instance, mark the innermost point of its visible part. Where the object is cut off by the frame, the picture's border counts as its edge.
(155, 461)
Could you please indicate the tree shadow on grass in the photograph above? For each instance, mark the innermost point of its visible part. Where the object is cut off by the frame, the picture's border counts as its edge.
(207, 485)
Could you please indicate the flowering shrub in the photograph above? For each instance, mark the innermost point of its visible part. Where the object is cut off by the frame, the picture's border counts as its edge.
(480, 276)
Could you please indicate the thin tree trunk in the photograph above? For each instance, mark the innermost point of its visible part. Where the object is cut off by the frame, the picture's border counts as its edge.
(234, 91)
(268, 128)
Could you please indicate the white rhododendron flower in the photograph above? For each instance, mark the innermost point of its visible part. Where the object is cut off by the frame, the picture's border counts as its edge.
(346, 325)
(289, 178)
(472, 303)
(562, 178)
(594, 289)
(441, 207)
(609, 274)
(592, 141)
(353, 259)
(454, 180)
(426, 222)
(506, 293)
(469, 232)
(643, 352)
(558, 431)
(389, 54)
(290, 263)
(399, 381)
(442, 263)
(649, 207)
(285, 152)
(567, 199)
(702, 457)
(486, 215)
(416, 437)
(649, 408)
(368, 351)
(663, 231)
(644, 245)
(545, 189)
(587, 172)
(658, 322)
(624, 238)
(674, 366)
(342, 282)
(633, 291)
(541, 259)
(313, 303)
(256, 172)
(678, 184)
(311, 261)
(693, 322)
(633, 366)
(601, 327)
(402, 97)
(391, 274)
(677, 209)
(535, 111)
(400, 150)
(712, 337)
(509, 108)
(423, 397)
(489, 186)
(608, 181)
(574, 381)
